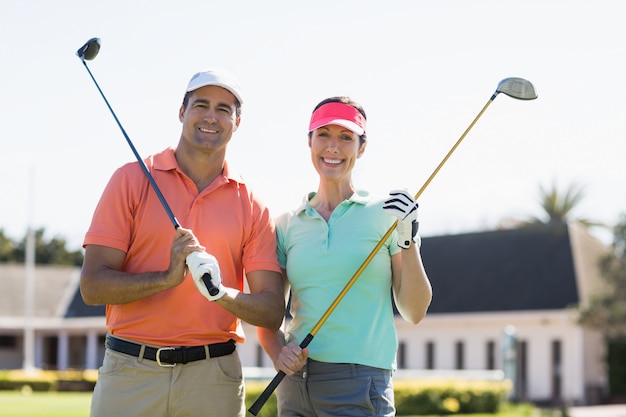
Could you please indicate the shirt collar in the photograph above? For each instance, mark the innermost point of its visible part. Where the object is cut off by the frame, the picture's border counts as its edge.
(166, 161)
(358, 197)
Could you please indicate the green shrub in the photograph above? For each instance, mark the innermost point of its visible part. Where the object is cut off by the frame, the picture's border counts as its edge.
(449, 397)
(48, 380)
(17, 380)
(412, 397)
(430, 397)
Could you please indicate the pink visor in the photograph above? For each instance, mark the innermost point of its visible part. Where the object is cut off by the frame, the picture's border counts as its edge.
(338, 114)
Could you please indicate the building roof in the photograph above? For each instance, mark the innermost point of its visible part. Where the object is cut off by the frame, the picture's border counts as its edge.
(56, 292)
(530, 268)
(78, 308)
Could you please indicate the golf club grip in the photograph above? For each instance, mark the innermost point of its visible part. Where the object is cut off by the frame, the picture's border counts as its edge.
(213, 290)
(271, 387)
(265, 395)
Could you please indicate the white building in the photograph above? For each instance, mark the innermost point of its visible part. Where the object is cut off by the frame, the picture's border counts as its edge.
(523, 282)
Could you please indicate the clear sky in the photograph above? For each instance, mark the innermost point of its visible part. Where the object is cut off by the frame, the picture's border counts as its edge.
(421, 69)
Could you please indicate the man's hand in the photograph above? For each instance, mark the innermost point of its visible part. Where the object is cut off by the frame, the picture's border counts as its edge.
(402, 205)
(205, 267)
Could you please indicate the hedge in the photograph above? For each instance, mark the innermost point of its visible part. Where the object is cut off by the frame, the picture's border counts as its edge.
(48, 380)
(423, 396)
(449, 396)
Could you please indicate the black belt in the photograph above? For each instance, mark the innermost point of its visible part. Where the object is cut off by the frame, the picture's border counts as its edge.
(170, 356)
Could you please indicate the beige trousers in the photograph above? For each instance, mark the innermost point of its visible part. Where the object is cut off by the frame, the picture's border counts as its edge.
(129, 386)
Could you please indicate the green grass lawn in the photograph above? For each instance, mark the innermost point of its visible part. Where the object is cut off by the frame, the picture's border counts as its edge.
(44, 404)
(70, 404)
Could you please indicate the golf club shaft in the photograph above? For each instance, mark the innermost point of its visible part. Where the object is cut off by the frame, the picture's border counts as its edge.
(206, 278)
(155, 187)
(456, 145)
(265, 395)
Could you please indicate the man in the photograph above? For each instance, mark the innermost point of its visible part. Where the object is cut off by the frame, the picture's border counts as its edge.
(171, 343)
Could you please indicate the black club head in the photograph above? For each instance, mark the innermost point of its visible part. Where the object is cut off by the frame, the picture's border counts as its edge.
(89, 50)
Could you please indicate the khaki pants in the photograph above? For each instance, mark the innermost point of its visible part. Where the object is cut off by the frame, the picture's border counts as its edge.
(132, 387)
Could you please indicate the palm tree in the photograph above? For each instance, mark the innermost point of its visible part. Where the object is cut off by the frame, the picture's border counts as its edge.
(559, 206)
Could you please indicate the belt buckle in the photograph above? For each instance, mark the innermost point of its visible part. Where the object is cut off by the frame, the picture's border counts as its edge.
(158, 358)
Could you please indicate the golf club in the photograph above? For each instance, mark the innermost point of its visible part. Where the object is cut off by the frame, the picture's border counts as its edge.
(88, 52)
(518, 88)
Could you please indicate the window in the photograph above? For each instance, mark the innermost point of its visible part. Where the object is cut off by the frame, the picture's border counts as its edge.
(8, 342)
(260, 354)
(430, 355)
(401, 356)
(521, 389)
(459, 355)
(491, 355)
(556, 370)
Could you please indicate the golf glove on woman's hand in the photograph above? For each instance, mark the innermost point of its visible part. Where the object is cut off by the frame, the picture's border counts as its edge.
(402, 205)
(201, 263)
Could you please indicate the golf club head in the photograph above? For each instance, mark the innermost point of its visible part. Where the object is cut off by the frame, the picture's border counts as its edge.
(518, 88)
(89, 50)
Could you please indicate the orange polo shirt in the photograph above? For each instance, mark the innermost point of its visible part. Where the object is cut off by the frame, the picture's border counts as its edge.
(226, 217)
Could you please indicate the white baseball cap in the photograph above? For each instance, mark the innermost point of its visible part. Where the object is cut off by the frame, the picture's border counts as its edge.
(218, 77)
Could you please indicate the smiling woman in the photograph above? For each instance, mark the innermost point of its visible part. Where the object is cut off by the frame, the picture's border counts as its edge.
(321, 243)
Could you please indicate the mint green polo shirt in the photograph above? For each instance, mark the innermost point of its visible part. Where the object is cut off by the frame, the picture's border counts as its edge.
(320, 258)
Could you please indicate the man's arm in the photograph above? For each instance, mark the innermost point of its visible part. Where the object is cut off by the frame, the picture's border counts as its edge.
(103, 282)
(264, 306)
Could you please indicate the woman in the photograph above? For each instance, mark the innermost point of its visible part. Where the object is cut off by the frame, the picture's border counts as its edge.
(347, 368)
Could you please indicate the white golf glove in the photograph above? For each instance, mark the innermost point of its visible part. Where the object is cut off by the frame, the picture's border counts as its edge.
(402, 205)
(200, 264)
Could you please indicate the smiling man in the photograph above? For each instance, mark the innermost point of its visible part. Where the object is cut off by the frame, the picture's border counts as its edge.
(171, 343)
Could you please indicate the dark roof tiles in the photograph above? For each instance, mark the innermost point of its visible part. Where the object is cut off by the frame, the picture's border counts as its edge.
(519, 269)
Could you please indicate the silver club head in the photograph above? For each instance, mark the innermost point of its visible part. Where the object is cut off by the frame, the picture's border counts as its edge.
(89, 50)
(518, 88)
